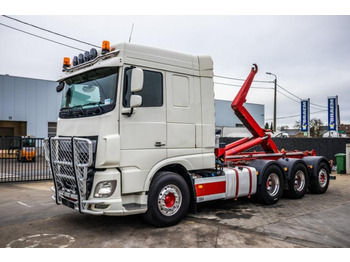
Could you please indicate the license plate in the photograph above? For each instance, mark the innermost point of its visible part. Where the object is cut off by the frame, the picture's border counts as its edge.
(68, 203)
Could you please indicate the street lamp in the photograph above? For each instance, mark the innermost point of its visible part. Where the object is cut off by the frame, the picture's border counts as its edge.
(274, 101)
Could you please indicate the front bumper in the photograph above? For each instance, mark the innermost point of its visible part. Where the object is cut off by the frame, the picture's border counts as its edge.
(71, 160)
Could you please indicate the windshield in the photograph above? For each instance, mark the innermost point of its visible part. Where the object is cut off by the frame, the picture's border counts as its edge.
(93, 89)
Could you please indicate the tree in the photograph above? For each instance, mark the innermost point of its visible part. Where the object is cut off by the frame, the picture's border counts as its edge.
(266, 126)
(271, 126)
(315, 127)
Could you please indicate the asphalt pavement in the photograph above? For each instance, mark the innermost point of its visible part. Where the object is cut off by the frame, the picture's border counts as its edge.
(29, 218)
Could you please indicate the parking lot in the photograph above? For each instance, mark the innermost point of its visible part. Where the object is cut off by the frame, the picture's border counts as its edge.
(29, 218)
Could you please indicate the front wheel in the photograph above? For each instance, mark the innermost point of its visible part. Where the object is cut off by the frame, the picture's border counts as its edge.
(168, 200)
(319, 183)
(271, 188)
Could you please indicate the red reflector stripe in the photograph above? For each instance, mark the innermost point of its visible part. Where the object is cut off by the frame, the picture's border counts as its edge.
(211, 188)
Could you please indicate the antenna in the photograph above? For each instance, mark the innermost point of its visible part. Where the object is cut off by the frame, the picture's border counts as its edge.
(132, 28)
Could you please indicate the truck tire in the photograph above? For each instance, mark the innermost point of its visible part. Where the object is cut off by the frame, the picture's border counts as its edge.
(168, 200)
(298, 182)
(319, 183)
(271, 188)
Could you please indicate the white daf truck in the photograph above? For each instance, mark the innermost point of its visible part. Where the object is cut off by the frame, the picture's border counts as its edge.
(136, 134)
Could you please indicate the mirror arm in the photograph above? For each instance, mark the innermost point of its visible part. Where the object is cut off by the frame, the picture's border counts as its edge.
(128, 114)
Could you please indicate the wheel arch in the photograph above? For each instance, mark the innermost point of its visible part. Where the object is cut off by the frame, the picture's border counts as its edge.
(313, 162)
(179, 168)
(290, 163)
(261, 165)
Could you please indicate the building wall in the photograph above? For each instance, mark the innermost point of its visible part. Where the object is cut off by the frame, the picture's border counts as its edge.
(34, 101)
(225, 117)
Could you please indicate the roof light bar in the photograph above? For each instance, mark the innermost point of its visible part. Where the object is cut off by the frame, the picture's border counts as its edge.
(89, 58)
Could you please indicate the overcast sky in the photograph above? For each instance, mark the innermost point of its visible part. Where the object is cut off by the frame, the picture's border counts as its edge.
(309, 54)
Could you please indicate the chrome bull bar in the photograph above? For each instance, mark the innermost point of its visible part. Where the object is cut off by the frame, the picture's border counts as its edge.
(69, 159)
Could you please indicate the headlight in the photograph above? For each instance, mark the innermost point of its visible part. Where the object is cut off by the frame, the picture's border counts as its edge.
(105, 188)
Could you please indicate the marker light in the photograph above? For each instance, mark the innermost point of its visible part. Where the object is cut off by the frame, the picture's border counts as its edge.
(105, 47)
(66, 62)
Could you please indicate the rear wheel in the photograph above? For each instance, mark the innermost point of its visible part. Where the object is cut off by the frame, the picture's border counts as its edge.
(271, 188)
(297, 182)
(319, 183)
(168, 200)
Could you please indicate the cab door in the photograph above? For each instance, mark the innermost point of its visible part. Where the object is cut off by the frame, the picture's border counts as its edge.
(182, 120)
(142, 129)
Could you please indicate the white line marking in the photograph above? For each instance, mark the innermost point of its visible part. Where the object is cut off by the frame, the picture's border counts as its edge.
(23, 204)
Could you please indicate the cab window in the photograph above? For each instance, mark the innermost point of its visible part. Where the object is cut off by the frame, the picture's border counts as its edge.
(152, 90)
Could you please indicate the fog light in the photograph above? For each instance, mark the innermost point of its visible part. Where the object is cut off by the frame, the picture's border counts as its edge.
(101, 206)
(105, 188)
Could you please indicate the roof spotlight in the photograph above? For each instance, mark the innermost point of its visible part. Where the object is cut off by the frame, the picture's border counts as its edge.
(86, 56)
(81, 58)
(75, 61)
(93, 53)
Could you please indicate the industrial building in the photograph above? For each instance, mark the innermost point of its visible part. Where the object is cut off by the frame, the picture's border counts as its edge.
(228, 122)
(30, 107)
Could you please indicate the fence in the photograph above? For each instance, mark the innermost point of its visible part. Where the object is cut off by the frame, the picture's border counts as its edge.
(22, 159)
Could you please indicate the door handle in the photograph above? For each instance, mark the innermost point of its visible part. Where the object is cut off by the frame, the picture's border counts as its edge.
(159, 144)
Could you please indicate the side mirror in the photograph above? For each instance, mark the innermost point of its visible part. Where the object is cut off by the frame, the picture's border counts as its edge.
(135, 101)
(60, 87)
(136, 79)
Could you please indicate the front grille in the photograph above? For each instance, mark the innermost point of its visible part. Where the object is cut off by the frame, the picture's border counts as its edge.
(69, 159)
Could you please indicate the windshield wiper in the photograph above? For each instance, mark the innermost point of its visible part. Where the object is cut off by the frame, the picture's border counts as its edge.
(96, 104)
(84, 111)
(78, 106)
